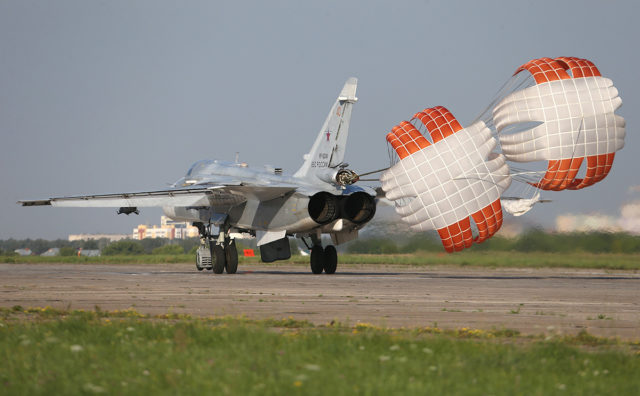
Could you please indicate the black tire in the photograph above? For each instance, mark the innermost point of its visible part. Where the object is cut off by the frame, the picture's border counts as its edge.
(231, 254)
(330, 259)
(317, 259)
(218, 258)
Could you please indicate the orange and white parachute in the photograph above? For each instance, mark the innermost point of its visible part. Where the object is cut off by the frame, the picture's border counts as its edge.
(562, 112)
(574, 107)
(448, 179)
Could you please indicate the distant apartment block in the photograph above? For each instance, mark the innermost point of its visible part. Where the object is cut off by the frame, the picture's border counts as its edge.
(167, 229)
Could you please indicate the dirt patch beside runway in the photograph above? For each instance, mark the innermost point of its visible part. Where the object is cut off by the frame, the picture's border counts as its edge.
(533, 301)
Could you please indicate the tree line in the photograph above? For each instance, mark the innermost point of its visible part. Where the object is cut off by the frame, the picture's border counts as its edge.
(124, 247)
(127, 246)
(531, 241)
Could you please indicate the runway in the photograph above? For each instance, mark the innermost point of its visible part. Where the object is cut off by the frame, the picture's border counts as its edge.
(533, 301)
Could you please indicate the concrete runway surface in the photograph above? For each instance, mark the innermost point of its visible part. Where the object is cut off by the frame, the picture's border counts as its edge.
(534, 301)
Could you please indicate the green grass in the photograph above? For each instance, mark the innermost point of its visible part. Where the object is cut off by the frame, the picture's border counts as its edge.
(504, 259)
(467, 258)
(47, 351)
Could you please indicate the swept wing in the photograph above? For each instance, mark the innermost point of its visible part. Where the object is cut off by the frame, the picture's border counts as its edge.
(193, 196)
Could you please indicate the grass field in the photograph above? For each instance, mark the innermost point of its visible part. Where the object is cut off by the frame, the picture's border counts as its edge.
(46, 351)
(496, 259)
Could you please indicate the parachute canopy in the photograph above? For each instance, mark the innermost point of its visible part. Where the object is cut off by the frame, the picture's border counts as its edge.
(573, 107)
(448, 179)
(558, 110)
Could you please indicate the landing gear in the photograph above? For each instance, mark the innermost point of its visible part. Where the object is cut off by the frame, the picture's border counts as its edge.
(323, 259)
(203, 255)
(231, 256)
(317, 259)
(219, 259)
(330, 259)
(203, 258)
(216, 253)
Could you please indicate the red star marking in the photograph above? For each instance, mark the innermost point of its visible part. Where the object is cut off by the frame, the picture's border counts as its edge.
(328, 135)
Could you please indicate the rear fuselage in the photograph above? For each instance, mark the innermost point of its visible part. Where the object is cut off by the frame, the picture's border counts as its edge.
(269, 199)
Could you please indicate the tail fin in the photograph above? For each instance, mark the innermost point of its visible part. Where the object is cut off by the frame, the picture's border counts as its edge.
(329, 148)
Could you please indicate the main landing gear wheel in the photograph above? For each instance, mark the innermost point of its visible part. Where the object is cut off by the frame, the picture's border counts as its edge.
(324, 259)
(231, 254)
(330, 259)
(218, 257)
(317, 259)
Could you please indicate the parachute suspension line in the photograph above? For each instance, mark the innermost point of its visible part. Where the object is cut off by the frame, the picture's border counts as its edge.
(372, 172)
(527, 180)
(516, 82)
(530, 191)
(525, 176)
(393, 156)
(533, 190)
(485, 177)
(575, 142)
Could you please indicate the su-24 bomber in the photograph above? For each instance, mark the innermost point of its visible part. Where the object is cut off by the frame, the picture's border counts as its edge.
(228, 199)
(445, 177)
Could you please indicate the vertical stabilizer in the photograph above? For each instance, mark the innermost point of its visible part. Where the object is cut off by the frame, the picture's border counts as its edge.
(330, 144)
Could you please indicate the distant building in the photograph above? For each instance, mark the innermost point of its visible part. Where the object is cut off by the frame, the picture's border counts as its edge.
(167, 229)
(51, 252)
(95, 237)
(144, 231)
(587, 223)
(88, 252)
(24, 252)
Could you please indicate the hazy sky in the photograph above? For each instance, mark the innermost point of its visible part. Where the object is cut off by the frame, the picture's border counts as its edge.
(117, 96)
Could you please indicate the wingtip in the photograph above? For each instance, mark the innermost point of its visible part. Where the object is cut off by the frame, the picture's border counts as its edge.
(43, 202)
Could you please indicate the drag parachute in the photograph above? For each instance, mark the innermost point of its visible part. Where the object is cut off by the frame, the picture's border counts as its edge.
(558, 110)
(572, 107)
(439, 184)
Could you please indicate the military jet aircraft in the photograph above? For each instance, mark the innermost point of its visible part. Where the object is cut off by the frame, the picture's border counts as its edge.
(228, 199)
